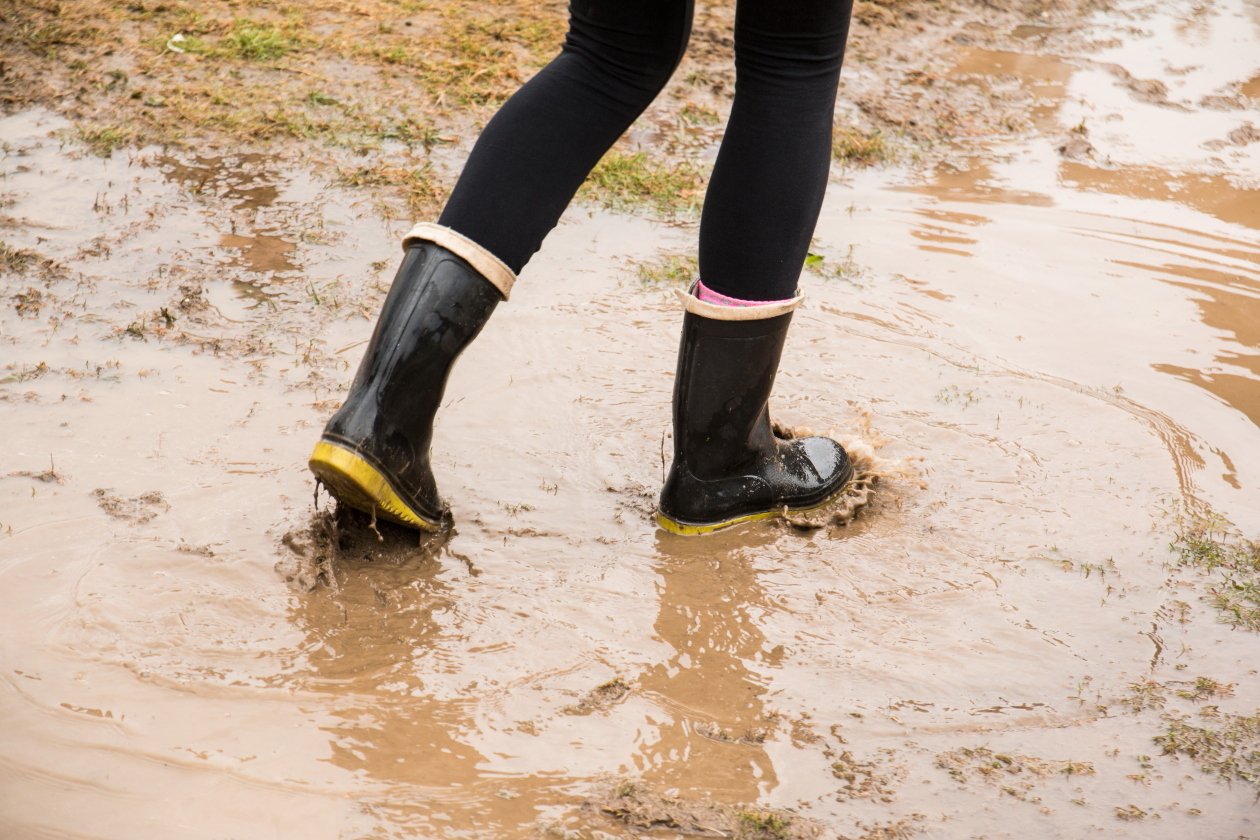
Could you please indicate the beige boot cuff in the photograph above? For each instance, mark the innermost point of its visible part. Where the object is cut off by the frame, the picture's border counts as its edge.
(696, 306)
(487, 264)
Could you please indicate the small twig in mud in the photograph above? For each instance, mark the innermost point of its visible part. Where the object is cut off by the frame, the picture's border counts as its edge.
(1153, 635)
(49, 476)
(463, 558)
(662, 456)
(372, 525)
(318, 484)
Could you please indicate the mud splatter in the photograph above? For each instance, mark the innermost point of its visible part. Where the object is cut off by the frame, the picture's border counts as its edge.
(317, 552)
(856, 495)
(138, 509)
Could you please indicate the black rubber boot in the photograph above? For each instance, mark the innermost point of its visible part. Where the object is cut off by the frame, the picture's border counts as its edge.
(374, 452)
(729, 467)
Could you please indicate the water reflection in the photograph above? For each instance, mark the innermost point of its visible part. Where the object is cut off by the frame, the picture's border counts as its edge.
(711, 610)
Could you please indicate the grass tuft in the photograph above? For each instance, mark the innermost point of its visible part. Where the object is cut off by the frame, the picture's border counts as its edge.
(419, 185)
(627, 180)
(104, 140)
(1231, 751)
(1211, 546)
(763, 824)
(670, 270)
(860, 148)
(258, 42)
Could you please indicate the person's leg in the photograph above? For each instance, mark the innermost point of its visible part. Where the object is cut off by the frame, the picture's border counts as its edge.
(767, 185)
(759, 215)
(544, 141)
(373, 454)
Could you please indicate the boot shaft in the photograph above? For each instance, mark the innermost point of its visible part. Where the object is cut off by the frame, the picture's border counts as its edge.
(375, 449)
(726, 372)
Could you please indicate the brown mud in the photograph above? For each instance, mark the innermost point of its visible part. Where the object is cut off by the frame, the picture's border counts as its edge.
(1037, 316)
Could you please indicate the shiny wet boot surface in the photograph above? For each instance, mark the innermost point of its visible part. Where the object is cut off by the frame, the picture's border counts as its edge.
(729, 467)
(374, 453)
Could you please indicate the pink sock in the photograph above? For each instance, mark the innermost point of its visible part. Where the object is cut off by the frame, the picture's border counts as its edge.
(707, 295)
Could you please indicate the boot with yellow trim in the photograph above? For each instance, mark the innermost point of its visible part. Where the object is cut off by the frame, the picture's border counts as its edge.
(374, 452)
(729, 466)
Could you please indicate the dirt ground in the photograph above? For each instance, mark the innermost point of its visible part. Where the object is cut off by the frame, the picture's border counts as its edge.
(1033, 309)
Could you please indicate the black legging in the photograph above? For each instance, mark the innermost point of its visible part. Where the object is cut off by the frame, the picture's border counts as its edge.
(771, 171)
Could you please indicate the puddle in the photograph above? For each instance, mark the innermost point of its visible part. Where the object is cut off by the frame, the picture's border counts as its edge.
(1051, 358)
(1212, 194)
(1251, 88)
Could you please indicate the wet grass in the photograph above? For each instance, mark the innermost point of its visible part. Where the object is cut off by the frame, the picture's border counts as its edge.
(847, 269)
(670, 270)
(1016, 775)
(1205, 688)
(1210, 546)
(252, 41)
(29, 302)
(1152, 694)
(1145, 694)
(331, 81)
(1227, 746)
(629, 180)
(29, 264)
(16, 260)
(420, 185)
(243, 72)
(104, 140)
(763, 824)
(860, 148)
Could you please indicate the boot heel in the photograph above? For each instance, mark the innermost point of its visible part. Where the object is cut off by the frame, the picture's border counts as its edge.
(355, 482)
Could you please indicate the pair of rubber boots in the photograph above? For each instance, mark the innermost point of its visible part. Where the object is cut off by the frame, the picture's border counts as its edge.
(729, 466)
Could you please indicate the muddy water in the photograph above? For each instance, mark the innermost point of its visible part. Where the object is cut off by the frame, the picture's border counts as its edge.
(1052, 358)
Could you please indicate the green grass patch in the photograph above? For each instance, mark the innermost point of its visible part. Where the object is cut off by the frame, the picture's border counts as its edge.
(252, 41)
(860, 148)
(419, 185)
(763, 824)
(104, 140)
(625, 181)
(1229, 750)
(670, 270)
(1209, 545)
(693, 114)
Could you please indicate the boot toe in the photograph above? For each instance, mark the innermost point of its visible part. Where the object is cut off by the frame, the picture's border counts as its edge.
(817, 469)
(828, 459)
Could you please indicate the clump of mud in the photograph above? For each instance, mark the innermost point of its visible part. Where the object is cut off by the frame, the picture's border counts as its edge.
(1076, 145)
(600, 697)
(641, 807)
(751, 735)
(139, 509)
(333, 539)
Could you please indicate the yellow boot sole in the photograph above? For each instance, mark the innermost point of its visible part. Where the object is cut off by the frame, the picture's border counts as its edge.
(687, 529)
(354, 482)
